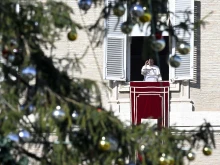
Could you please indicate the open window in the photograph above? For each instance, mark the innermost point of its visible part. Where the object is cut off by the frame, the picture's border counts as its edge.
(123, 54)
(138, 56)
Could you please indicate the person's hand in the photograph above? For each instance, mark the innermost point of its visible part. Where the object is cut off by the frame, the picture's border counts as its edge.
(147, 62)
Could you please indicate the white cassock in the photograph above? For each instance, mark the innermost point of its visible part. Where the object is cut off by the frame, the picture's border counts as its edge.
(151, 73)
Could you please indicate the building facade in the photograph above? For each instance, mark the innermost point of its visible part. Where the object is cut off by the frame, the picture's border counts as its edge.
(194, 94)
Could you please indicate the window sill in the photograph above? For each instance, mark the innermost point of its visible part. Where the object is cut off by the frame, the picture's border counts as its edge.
(125, 87)
(120, 101)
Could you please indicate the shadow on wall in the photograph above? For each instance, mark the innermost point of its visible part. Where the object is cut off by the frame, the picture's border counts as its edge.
(195, 83)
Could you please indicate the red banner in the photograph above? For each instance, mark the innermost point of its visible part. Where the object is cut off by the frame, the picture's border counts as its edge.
(150, 100)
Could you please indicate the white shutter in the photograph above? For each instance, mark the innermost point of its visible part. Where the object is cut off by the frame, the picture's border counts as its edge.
(115, 49)
(185, 71)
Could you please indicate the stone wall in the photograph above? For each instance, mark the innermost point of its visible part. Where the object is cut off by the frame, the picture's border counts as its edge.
(204, 90)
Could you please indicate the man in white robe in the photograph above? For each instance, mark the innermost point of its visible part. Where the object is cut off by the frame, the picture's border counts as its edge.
(151, 72)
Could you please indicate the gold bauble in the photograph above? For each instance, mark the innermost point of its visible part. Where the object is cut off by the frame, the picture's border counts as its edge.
(163, 160)
(120, 161)
(191, 156)
(104, 145)
(145, 18)
(119, 10)
(72, 36)
(183, 48)
(170, 160)
(207, 150)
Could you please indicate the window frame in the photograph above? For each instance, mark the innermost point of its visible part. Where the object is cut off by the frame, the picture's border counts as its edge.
(127, 56)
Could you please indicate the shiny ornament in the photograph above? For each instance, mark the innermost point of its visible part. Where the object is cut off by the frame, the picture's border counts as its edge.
(31, 108)
(11, 58)
(175, 61)
(15, 57)
(207, 150)
(131, 163)
(114, 143)
(163, 160)
(72, 36)
(104, 145)
(59, 114)
(28, 110)
(13, 43)
(191, 156)
(74, 116)
(143, 148)
(137, 10)
(119, 10)
(183, 48)
(145, 18)
(29, 72)
(24, 135)
(158, 44)
(126, 27)
(119, 161)
(36, 27)
(107, 144)
(85, 4)
(170, 160)
(13, 137)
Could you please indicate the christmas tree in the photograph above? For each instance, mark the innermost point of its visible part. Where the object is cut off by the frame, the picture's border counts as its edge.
(62, 117)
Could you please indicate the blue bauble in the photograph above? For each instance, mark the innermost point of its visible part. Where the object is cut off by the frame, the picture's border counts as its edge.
(137, 10)
(85, 4)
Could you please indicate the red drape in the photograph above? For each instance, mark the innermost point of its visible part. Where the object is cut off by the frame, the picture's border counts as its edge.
(150, 100)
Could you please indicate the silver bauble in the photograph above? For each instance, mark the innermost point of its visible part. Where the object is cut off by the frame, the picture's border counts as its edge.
(108, 144)
(143, 147)
(183, 48)
(126, 27)
(15, 57)
(175, 61)
(59, 114)
(13, 43)
(13, 137)
(158, 44)
(29, 109)
(114, 143)
(29, 72)
(11, 58)
(24, 135)
(131, 163)
(75, 115)
(85, 4)
(137, 10)
(119, 10)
